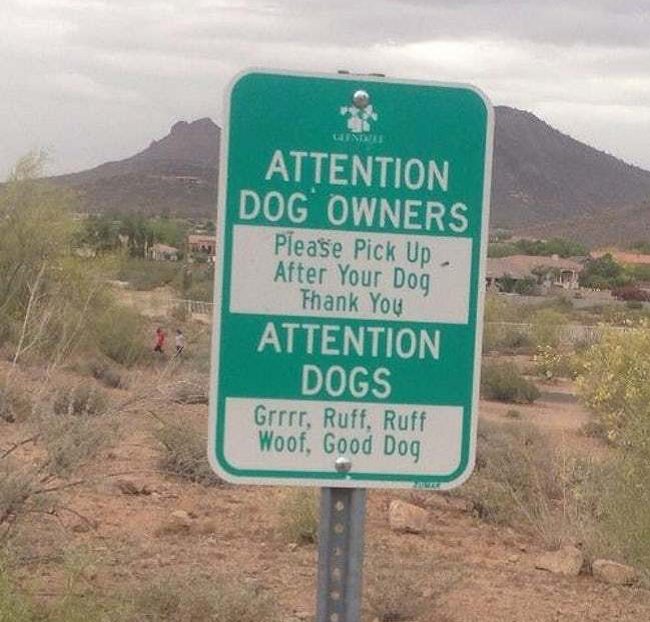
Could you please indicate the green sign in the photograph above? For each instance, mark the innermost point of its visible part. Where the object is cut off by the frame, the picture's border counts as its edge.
(352, 234)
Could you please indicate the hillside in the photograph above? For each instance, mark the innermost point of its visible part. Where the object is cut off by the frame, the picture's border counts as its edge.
(544, 177)
(175, 175)
(545, 183)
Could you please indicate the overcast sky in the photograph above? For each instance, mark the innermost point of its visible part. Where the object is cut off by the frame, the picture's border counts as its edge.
(97, 80)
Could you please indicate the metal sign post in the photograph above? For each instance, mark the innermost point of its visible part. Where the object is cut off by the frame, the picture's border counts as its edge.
(340, 554)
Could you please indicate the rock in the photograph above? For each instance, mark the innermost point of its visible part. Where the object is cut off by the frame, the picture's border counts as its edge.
(614, 573)
(513, 559)
(129, 487)
(84, 526)
(407, 518)
(567, 561)
(179, 522)
(182, 516)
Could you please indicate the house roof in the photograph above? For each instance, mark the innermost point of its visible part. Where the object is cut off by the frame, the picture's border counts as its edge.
(522, 266)
(195, 238)
(163, 248)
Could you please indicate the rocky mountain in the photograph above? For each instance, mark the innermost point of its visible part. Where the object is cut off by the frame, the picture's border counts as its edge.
(176, 175)
(545, 183)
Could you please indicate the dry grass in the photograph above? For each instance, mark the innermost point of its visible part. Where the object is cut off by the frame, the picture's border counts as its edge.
(299, 516)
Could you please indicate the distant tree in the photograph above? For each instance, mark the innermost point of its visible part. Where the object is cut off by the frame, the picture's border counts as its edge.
(48, 296)
(139, 234)
(543, 248)
(641, 246)
(526, 286)
(604, 273)
(502, 249)
(555, 246)
(168, 231)
(101, 233)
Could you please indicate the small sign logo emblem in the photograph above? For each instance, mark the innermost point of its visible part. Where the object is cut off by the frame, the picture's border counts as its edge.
(360, 114)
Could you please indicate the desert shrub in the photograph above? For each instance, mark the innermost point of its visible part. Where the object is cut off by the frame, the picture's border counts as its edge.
(506, 338)
(299, 516)
(191, 391)
(526, 287)
(614, 381)
(551, 363)
(82, 400)
(180, 313)
(71, 441)
(594, 429)
(515, 480)
(184, 453)
(400, 586)
(393, 595)
(622, 507)
(505, 383)
(15, 405)
(500, 309)
(107, 374)
(197, 599)
(17, 485)
(547, 325)
(120, 335)
(631, 293)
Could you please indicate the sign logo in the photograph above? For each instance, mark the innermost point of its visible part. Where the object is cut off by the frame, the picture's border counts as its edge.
(360, 114)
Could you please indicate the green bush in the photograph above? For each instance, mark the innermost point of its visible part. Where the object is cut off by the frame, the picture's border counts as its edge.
(184, 453)
(299, 516)
(614, 380)
(141, 274)
(550, 363)
(547, 325)
(120, 335)
(504, 382)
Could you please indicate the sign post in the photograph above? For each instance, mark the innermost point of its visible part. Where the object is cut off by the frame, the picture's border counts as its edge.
(352, 232)
(340, 554)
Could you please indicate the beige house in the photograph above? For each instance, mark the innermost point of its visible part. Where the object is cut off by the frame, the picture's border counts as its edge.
(202, 244)
(162, 252)
(548, 272)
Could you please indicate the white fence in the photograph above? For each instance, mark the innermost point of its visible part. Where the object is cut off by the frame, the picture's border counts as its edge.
(569, 333)
(195, 307)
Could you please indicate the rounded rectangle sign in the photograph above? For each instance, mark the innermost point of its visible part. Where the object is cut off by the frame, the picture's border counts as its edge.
(351, 235)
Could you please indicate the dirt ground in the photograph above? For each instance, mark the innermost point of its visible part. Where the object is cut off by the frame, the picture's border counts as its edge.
(463, 569)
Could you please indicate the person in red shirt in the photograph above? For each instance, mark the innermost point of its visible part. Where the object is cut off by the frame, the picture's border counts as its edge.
(160, 340)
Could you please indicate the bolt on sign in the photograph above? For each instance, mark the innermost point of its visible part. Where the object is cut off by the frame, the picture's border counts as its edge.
(352, 232)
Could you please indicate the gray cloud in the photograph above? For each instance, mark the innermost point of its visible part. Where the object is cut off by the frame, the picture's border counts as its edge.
(97, 79)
